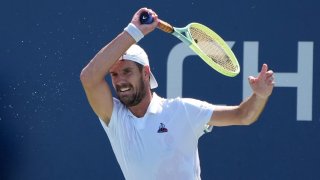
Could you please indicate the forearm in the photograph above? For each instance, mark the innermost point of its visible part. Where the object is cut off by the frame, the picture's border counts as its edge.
(251, 108)
(98, 67)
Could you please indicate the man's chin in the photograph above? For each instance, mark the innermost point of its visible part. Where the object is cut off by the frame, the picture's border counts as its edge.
(126, 100)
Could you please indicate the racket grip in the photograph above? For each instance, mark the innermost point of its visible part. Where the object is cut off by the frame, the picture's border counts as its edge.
(146, 18)
(166, 27)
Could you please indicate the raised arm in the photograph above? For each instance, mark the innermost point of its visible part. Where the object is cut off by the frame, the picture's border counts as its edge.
(93, 75)
(249, 110)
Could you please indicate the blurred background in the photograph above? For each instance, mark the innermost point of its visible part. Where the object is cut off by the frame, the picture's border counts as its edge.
(48, 130)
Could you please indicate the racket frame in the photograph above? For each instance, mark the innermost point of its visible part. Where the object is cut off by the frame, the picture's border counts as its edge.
(185, 36)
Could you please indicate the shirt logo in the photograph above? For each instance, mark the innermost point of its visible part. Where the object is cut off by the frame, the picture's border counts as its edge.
(162, 128)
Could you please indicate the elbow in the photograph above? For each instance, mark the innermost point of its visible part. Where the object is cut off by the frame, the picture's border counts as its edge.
(247, 122)
(89, 78)
(247, 118)
(86, 77)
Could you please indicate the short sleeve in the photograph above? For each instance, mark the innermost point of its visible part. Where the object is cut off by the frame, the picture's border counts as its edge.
(110, 128)
(199, 114)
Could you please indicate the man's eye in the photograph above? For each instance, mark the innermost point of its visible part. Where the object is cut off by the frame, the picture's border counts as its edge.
(126, 71)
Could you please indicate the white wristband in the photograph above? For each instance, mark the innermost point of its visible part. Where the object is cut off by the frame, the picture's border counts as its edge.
(134, 32)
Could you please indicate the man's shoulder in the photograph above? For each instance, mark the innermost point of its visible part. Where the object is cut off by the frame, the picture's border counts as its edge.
(118, 105)
(186, 103)
(167, 101)
(182, 100)
(116, 102)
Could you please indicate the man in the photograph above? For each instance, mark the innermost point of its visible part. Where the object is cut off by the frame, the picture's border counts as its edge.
(153, 137)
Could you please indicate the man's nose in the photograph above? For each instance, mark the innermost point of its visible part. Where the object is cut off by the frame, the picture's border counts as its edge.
(119, 80)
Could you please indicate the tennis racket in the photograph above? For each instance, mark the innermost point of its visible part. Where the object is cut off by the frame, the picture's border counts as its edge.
(204, 42)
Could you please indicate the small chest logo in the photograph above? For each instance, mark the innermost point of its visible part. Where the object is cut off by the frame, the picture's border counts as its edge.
(162, 128)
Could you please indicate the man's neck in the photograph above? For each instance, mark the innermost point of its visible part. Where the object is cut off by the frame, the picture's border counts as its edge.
(140, 109)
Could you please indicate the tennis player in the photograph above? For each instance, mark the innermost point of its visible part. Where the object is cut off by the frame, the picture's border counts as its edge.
(153, 137)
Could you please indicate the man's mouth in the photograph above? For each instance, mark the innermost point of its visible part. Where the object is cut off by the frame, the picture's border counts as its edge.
(124, 89)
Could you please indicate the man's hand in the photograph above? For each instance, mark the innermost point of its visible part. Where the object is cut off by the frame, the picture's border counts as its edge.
(145, 28)
(262, 85)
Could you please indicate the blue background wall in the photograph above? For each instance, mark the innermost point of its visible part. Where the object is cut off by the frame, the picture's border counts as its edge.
(48, 131)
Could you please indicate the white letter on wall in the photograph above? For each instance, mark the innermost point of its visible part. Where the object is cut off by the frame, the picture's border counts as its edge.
(303, 79)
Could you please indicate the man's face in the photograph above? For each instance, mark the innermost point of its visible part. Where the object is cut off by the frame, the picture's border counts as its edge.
(129, 82)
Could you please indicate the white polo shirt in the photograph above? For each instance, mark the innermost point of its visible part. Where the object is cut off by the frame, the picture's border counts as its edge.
(164, 143)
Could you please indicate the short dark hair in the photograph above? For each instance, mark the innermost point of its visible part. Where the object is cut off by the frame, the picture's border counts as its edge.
(140, 66)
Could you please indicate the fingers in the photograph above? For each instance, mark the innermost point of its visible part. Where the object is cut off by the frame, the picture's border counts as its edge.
(155, 18)
(145, 28)
(268, 74)
(264, 83)
(263, 70)
(265, 75)
(251, 79)
(264, 67)
(270, 78)
(145, 9)
(141, 10)
(137, 15)
(150, 11)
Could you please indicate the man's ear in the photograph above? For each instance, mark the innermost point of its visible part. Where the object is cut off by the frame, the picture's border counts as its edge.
(146, 70)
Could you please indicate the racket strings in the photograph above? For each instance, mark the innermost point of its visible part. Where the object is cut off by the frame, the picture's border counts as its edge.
(212, 49)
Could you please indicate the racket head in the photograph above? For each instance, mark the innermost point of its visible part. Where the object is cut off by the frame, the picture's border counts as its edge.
(212, 49)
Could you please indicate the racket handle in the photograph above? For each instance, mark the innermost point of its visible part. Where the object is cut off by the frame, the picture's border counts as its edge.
(166, 27)
(146, 18)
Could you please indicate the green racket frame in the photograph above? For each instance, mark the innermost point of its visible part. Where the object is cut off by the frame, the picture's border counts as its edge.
(185, 36)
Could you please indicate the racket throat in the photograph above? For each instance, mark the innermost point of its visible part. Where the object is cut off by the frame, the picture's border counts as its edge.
(183, 36)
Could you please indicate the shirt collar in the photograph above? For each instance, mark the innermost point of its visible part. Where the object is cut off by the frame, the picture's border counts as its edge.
(154, 106)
